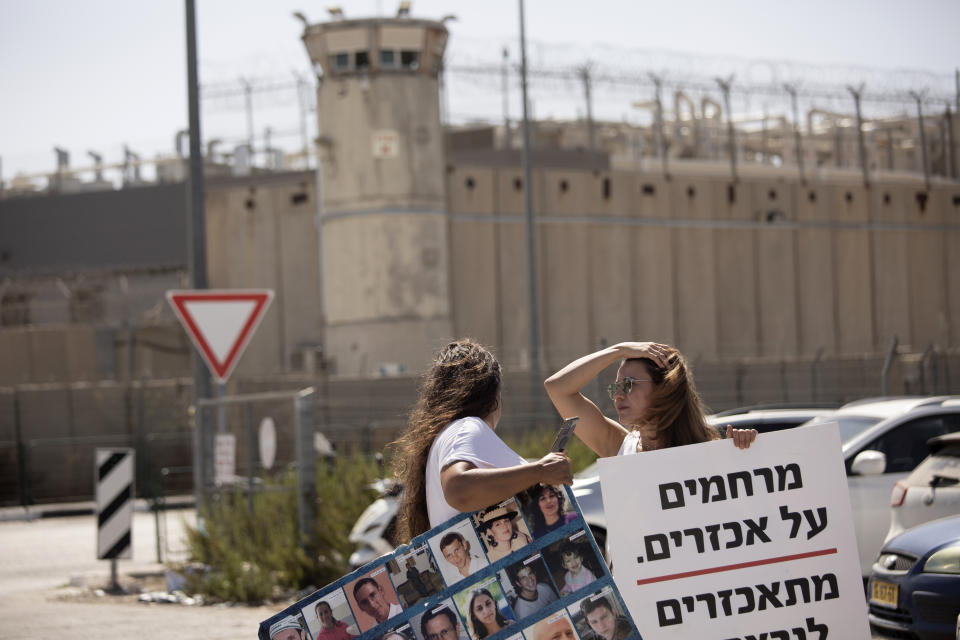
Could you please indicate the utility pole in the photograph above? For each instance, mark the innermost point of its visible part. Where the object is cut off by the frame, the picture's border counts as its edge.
(505, 80)
(661, 135)
(528, 215)
(196, 249)
(591, 135)
(856, 92)
(796, 131)
(731, 141)
(923, 140)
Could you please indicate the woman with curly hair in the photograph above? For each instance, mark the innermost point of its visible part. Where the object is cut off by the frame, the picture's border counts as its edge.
(485, 617)
(548, 509)
(449, 458)
(654, 395)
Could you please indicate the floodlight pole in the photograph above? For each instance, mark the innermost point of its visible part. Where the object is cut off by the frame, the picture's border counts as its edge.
(196, 245)
(528, 213)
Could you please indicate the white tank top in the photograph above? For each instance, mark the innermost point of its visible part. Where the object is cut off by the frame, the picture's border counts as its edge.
(630, 444)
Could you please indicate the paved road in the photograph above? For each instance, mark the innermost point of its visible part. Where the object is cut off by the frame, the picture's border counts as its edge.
(39, 559)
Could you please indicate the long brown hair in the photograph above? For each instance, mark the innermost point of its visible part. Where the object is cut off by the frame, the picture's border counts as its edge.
(462, 381)
(675, 408)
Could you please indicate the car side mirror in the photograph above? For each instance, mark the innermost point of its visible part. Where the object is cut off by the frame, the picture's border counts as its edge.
(869, 463)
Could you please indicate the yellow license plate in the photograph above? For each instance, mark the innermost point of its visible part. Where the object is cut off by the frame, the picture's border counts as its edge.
(884, 593)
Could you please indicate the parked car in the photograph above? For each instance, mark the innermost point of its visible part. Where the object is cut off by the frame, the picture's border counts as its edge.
(766, 418)
(883, 440)
(932, 490)
(914, 586)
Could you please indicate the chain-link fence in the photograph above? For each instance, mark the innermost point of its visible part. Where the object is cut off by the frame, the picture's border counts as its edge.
(48, 434)
(243, 439)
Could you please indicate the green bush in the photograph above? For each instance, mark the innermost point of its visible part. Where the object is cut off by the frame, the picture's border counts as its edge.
(256, 556)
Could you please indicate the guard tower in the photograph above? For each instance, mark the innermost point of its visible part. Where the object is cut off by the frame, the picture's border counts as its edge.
(383, 226)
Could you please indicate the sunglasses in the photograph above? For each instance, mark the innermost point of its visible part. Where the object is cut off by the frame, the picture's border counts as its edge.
(624, 386)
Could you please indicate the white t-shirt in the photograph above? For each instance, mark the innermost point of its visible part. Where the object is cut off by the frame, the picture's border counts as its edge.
(630, 443)
(468, 440)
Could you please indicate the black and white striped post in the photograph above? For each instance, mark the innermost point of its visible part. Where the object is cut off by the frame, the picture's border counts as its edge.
(113, 477)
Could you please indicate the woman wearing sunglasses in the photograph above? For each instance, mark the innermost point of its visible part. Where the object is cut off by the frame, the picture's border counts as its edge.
(448, 458)
(656, 401)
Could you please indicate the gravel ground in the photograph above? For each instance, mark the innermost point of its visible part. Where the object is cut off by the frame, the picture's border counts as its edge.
(49, 577)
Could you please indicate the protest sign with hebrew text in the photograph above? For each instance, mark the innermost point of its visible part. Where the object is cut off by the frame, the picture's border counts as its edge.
(713, 541)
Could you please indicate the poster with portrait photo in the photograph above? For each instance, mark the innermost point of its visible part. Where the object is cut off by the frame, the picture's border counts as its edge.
(375, 602)
(290, 627)
(502, 529)
(440, 621)
(330, 617)
(556, 626)
(458, 551)
(601, 616)
(484, 608)
(415, 575)
(528, 586)
(400, 632)
(372, 598)
(546, 508)
(573, 563)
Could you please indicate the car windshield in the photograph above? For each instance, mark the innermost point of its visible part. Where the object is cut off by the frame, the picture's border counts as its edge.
(850, 426)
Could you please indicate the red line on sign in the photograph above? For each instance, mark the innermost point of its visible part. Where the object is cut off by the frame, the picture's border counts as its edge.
(741, 565)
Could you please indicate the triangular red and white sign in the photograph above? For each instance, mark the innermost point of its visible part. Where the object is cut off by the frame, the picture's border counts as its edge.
(220, 322)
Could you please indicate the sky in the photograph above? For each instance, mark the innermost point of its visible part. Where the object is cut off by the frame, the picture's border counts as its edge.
(100, 74)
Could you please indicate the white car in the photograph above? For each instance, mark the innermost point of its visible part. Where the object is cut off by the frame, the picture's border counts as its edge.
(884, 439)
(933, 489)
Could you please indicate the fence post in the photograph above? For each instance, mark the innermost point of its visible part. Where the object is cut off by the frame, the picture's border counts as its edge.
(23, 475)
(250, 445)
(815, 374)
(886, 366)
(306, 411)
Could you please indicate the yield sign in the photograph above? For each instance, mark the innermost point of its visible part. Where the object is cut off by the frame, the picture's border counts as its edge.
(220, 322)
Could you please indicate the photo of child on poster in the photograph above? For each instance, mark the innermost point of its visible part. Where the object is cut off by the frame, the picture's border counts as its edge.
(573, 563)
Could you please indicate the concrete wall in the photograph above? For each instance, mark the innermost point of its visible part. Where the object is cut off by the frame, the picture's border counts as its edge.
(783, 271)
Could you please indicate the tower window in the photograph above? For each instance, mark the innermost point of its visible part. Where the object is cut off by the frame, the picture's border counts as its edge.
(388, 58)
(341, 61)
(361, 60)
(410, 59)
